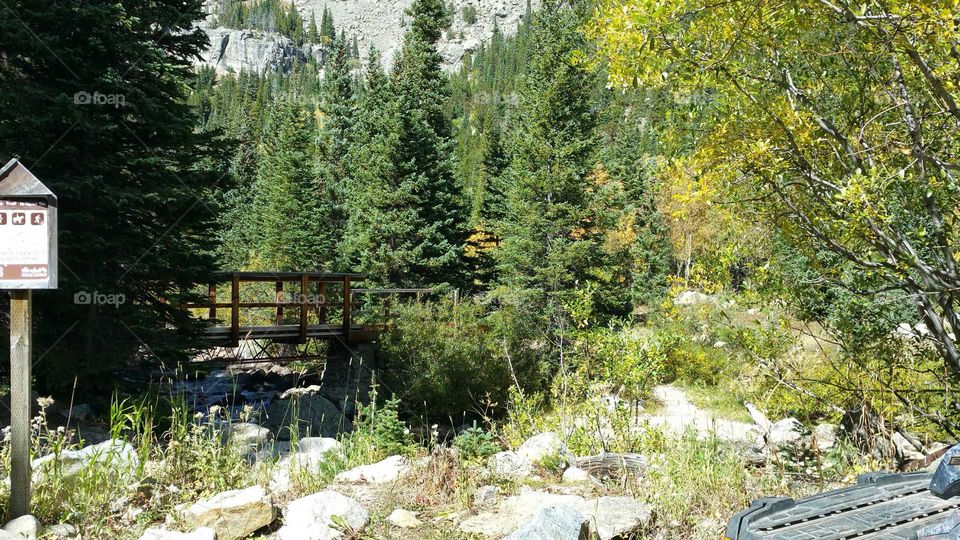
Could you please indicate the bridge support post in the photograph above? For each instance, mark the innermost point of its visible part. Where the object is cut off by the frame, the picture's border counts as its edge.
(347, 308)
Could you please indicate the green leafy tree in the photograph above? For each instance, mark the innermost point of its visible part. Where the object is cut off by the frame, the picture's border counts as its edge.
(137, 183)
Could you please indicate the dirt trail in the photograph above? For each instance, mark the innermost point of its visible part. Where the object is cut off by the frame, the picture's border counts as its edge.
(678, 414)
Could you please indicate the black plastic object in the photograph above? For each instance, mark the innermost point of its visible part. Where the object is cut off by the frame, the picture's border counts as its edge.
(888, 506)
(946, 481)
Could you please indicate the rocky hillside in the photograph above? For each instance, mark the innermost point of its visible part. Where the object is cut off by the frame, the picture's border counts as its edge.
(373, 22)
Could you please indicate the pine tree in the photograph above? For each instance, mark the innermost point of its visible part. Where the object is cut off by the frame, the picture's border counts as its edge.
(313, 34)
(423, 158)
(288, 199)
(548, 249)
(327, 31)
(137, 183)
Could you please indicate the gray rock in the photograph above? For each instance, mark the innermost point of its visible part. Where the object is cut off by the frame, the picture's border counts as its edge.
(115, 455)
(24, 527)
(905, 449)
(202, 533)
(311, 517)
(232, 514)
(555, 523)
(61, 531)
(509, 464)
(312, 414)
(549, 444)
(785, 433)
(310, 454)
(248, 435)
(486, 494)
(79, 412)
(825, 436)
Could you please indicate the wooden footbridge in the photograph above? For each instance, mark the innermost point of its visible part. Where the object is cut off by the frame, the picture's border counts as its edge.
(295, 309)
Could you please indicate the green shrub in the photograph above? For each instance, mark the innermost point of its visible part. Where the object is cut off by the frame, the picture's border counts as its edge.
(475, 444)
(378, 433)
(444, 360)
(469, 14)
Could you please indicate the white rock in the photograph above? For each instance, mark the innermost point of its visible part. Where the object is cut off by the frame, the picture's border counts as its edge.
(387, 470)
(509, 464)
(485, 494)
(692, 298)
(610, 517)
(544, 445)
(248, 434)
(575, 475)
(232, 514)
(404, 518)
(785, 433)
(825, 436)
(203, 533)
(116, 455)
(311, 518)
(905, 449)
(23, 527)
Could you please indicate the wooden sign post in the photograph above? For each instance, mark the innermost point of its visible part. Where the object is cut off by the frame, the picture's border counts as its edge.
(28, 260)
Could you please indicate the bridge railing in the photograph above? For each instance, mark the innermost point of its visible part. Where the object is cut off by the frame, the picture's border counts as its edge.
(326, 298)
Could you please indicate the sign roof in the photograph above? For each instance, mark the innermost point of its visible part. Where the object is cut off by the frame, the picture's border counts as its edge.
(17, 181)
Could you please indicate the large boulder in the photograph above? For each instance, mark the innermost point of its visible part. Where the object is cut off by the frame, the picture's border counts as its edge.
(543, 446)
(387, 470)
(312, 415)
(117, 456)
(312, 517)
(232, 514)
(825, 436)
(202, 533)
(610, 517)
(555, 523)
(509, 464)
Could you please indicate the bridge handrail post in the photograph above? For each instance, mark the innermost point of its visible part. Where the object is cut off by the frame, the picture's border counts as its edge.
(235, 309)
(212, 295)
(304, 286)
(347, 307)
(278, 298)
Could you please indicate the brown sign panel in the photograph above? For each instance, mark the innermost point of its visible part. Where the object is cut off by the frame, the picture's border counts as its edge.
(28, 230)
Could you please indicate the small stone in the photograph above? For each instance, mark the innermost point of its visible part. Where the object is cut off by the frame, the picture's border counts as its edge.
(575, 475)
(23, 527)
(404, 518)
(232, 514)
(486, 494)
(203, 533)
(61, 531)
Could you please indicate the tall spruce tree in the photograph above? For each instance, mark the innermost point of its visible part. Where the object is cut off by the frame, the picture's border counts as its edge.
(94, 103)
(423, 158)
(548, 248)
(289, 199)
(327, 31)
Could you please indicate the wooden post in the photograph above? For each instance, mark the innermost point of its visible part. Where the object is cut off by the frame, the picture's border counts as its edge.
(20, 364)
(235, 310)
(347, 306)
(322, 312)
(304, 285)
(212, 295)
(278, 298)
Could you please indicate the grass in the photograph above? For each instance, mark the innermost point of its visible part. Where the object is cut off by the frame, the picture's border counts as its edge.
(723, 400)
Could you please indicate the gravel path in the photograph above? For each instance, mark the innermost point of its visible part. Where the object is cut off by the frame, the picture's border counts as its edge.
(678, 415)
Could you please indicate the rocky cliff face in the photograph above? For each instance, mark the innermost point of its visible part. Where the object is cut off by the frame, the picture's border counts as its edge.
(380, 23)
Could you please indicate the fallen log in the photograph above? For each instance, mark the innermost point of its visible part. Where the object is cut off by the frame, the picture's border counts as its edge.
(612, 464)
